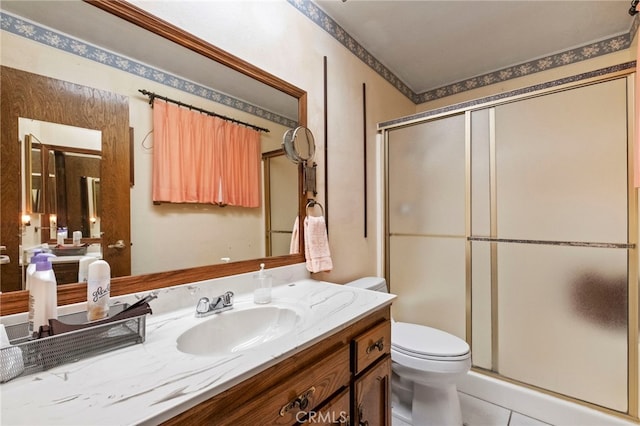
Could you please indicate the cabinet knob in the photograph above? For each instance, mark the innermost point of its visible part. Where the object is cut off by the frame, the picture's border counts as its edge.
(301, 402)
(342, 422)
(379, 345)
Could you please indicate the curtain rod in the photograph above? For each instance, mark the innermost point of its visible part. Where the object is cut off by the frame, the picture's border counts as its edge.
(152, 96)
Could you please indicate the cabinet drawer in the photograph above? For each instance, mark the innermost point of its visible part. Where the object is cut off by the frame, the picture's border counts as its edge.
(292, 399)
(371, 345)
(333, 413)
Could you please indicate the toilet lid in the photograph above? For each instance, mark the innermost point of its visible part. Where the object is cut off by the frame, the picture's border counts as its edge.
(427, 341)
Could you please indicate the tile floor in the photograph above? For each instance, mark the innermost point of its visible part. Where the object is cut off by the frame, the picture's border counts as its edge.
(476, 412)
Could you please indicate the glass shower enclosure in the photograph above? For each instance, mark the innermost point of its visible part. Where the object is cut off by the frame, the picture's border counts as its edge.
(514, 226)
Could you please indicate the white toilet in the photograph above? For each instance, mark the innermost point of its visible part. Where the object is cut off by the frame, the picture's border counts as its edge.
(426, 365)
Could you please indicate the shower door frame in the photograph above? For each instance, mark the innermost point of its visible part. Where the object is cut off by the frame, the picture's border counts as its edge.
(633, 316)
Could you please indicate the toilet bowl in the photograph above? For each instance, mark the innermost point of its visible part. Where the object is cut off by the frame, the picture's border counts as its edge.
(426, 365)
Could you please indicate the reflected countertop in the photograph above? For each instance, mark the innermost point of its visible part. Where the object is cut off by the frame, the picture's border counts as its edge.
(91, 252)
(74, 259)
(151, 382)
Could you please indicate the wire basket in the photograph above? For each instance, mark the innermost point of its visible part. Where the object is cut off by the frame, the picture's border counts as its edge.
(47, 352)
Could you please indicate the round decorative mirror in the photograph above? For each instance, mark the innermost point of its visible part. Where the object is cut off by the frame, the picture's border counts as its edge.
(299, 145)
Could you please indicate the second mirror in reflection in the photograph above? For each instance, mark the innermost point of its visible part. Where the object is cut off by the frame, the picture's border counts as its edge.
(62, 181)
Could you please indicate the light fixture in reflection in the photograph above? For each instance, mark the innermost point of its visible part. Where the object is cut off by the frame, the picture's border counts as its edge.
(53, 219)
(26, 220)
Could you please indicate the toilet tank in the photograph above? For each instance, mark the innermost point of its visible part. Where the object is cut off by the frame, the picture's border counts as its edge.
(370, 283)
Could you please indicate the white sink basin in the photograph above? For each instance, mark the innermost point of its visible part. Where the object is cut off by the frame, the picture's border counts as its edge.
(238, 330)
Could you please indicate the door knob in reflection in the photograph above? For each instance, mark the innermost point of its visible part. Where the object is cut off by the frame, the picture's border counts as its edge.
(118, 245)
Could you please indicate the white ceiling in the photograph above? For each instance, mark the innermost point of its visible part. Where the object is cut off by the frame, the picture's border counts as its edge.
(429, 44)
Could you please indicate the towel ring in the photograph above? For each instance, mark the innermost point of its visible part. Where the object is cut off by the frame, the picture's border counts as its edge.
(314, 203)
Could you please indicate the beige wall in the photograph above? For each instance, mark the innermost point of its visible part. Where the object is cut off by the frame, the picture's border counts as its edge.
(164, 237)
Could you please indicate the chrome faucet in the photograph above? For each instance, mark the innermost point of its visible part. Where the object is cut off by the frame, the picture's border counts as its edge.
(222, 303)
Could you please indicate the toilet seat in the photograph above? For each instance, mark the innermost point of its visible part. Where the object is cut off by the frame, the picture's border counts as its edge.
(422, 342)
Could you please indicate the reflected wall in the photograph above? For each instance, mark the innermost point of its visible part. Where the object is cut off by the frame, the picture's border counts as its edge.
(158, 233)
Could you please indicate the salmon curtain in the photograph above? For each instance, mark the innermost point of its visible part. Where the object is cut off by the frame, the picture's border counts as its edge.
(198, 158)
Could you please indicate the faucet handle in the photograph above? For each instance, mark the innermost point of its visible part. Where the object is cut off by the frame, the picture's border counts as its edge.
(227, 298)
(203, 305)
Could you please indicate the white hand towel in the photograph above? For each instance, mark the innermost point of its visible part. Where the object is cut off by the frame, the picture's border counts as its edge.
(316, 245)
(294, 247)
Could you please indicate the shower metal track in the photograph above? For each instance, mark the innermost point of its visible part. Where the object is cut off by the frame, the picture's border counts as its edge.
(554, 243)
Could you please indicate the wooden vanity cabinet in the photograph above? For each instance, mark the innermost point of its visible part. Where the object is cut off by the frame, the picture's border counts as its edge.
(319, 385)
(371, 367)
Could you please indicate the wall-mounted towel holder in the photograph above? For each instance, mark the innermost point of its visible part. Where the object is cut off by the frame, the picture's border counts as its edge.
(313, 203)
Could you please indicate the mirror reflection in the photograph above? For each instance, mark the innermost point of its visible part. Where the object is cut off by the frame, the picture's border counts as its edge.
(61, 192)
(62, 180)
(156, 237)
(303, 144)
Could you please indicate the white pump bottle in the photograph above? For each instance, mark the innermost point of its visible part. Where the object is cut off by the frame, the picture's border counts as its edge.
(43, 293)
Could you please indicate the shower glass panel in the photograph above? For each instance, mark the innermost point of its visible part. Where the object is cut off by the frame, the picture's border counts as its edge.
(480, 256)
(563, 320)
(481, 305)
(429, 273)
(561, 311)
(557, 178)
(480, 173)
(426, 222)
(427, 178)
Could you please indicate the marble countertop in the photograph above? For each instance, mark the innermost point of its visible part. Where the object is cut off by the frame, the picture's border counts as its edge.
(151, 382)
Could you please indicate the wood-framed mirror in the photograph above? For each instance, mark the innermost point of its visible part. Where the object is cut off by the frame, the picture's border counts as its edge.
(16, 301)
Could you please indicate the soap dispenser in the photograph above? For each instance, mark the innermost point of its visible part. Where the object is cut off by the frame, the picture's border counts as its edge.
(43, 293)
(31, 268)
(262, 292)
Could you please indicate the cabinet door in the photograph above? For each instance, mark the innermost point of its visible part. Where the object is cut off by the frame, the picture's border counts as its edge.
(333, 413)
(371, 393)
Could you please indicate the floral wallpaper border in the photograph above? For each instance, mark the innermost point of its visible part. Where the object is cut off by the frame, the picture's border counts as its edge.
(603, 47)
(27, 29)
(505, 95)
